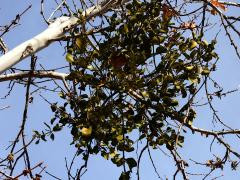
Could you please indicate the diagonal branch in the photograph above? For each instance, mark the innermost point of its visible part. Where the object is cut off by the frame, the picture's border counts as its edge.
(55, 30)
(216, 135)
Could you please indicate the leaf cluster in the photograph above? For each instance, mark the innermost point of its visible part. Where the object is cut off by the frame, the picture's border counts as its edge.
(139, 77)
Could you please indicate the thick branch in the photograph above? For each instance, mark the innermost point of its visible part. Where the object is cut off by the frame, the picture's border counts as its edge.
(35, 74)
(54, 31)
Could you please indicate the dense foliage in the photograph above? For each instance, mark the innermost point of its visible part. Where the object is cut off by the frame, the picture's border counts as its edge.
(135, 76)
(132, 80)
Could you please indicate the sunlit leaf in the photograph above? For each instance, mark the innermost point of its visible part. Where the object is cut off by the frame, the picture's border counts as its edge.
(119, 137)
(79, 42)
(69, 58)
(86, 131)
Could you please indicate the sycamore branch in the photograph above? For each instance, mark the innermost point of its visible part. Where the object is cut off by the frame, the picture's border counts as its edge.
(35, 74)
(55, 30)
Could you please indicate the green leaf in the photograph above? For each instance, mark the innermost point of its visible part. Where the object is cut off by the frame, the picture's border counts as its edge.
(43, 137)
(131, 163)
(84, 96)
(205, 71)
(86, 131)
(190, 122)
(119, 137)
(37, 133)
(37, 142)
(184, 92)
(145, 94)
(125, 27)
(193, 44)
(169, 145)
(62, 95)
(52, 136)
(141, 137)
(53, 107)
(161, 49)
(105, 155)
(47, 126)
(125, 176)
(189, 68)
(57, 128)
(79, 43)
(52, 120)
(69, 58)
(90, 67)
(193, 79)
(174, 102)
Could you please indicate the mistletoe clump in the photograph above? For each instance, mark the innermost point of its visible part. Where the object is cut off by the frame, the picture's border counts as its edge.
(139, 73)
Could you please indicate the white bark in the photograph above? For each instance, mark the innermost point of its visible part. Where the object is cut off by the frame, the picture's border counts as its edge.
(35, 74)
(35, 44)
(53, 32)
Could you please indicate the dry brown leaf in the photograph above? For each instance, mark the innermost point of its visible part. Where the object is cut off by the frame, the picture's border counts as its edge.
(168, 12)
(218, 5)
(213, 12)
(118, 61)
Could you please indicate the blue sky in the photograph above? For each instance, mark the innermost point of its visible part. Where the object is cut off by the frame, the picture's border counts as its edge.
(53, 153)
